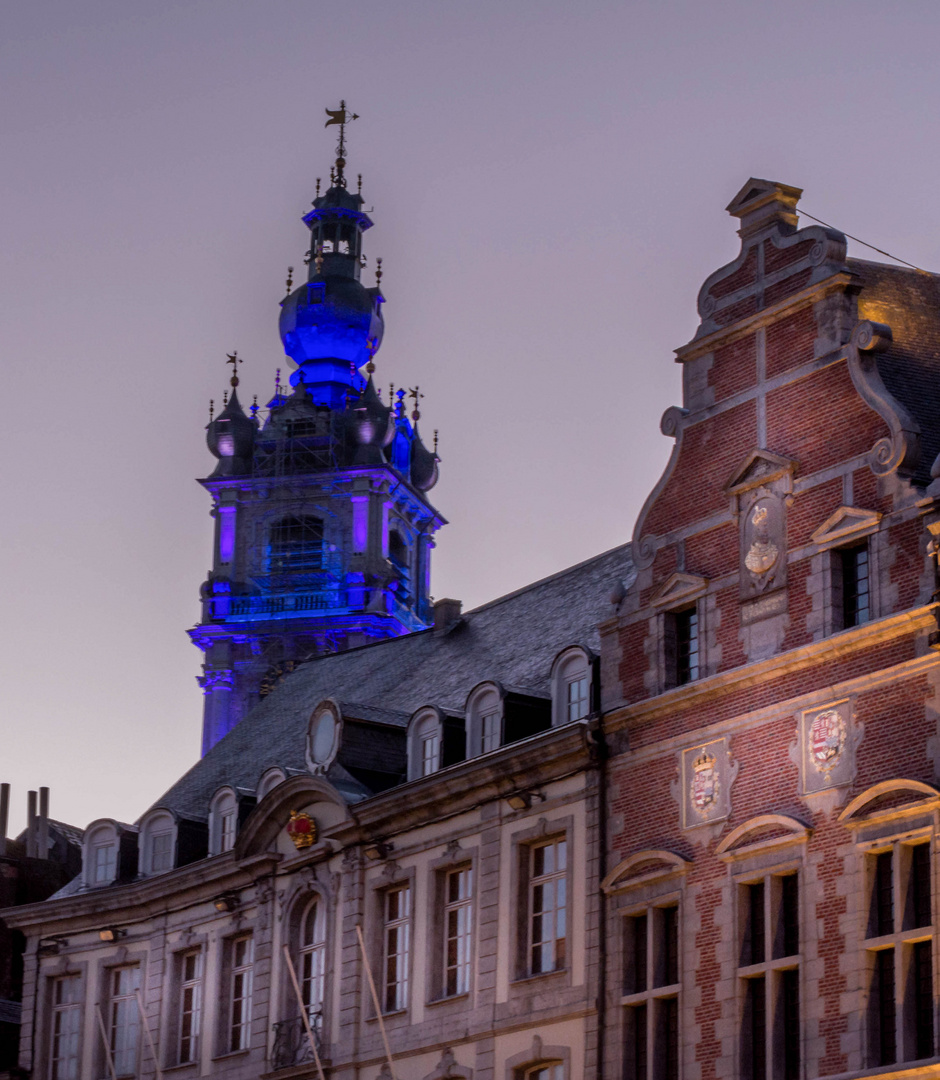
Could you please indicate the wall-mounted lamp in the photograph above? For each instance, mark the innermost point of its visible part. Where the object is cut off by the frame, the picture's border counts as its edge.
(226, 902)
(522, 800)
(112, 933)
(377, 851)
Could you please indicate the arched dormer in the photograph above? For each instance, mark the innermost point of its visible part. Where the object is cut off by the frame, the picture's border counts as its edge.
(435, 740)
(572, 685)
(157, 846)
(484, 713)
(269, 780)
(109, 853)
(762, 833)
(324, 735)
(223, 821)
(265, 828)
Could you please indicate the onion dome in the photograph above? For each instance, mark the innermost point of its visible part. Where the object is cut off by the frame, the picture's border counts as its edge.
(369, 426)
(424, 471)
(231, 438)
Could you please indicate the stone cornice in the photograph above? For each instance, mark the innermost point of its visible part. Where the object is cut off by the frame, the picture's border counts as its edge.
(775, 667)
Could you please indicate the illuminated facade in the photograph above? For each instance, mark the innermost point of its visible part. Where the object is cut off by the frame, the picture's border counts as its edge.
(670, 814)
(323, 530)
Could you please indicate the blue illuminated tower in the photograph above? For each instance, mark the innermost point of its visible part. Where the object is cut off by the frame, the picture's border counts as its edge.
(323, 528)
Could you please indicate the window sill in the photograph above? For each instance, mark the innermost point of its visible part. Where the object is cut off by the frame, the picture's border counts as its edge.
(387, 1015)
(541, 975)
(232, 1054)
(182, 1067)
(449, 999)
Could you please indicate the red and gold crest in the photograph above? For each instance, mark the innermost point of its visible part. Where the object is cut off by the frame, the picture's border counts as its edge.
(302, 829)
(705, 786)
(826, 739)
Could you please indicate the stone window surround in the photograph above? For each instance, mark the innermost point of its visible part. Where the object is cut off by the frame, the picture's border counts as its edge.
(423, 718)
(393, 877)
(876, 832)
(479, 704)
(223, 1033)
(145, 843)
(63, 966)
(121, 957)
(562, 667)
(750, 862)
(172, 984)
(539, 1055)
(522, 841)
(434, 977)
(216, 813)
(826, 616)
(296, 909)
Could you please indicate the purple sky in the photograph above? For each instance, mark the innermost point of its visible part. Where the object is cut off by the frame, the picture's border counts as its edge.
(548, 181)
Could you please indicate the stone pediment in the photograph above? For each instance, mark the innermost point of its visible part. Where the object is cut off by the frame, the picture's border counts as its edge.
(760, 834)
(759, 467)
(643, 867)
(757, 191)
(846, 522)
(678, 589)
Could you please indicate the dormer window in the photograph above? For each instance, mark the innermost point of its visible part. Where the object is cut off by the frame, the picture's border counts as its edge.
(484, 719)
(101, 853)
(223, 822)
(270, 779)
(157, 843)
(104, 862)
(434, 742)
(571, 685)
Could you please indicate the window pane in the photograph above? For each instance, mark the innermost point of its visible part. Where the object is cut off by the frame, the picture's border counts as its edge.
(66, 1025)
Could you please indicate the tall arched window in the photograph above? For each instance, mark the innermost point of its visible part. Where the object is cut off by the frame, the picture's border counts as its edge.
(295, 543)
(223, 822)
(313, 959)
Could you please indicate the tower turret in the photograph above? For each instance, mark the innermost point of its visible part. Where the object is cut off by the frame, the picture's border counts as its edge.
(324, 530)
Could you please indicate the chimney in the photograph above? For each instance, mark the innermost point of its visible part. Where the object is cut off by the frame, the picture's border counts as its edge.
(762, 204)
(31, 825)
(4, 816)
(42, 832)
(446, 614)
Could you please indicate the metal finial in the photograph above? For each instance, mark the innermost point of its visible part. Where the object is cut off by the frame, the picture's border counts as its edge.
(400, 404)
(211, 409)
(435, 442)
(332, 176)
(359, 188)
(391, 395)
(415, 394)
(378, 272)
(319, 258)
(234, 359)
(370, 345)
(277, 383)
(342, 117)
(290, 280)
(225, 398)
(318, 187)
(254, 408)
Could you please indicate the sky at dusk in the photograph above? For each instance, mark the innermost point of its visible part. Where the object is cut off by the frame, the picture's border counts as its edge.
(548, 182)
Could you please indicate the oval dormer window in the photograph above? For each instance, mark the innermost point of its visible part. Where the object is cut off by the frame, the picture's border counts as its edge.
(323, 737)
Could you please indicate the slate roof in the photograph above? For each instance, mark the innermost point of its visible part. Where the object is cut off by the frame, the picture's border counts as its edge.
(909, 302)
(513, 639)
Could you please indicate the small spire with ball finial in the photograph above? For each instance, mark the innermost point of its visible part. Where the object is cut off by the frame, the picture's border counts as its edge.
(290, 281)
(234, 359)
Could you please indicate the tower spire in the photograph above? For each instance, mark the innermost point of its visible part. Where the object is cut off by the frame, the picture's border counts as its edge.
(342, 117)
(234, 359)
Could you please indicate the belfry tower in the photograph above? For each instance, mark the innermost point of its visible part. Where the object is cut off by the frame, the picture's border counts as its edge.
(323, 529)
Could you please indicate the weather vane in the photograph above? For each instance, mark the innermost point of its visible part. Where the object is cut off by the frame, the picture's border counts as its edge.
(234, 359)
(342, 117)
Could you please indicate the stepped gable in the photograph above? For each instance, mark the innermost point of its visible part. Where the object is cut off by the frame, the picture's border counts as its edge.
(513, 639)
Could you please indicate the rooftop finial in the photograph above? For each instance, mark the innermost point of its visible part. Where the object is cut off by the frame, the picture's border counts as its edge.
(415, 394)
(234, 359)
(359, 188)
(400, 403)
(318, 187)
(254, 408)
(370, 346)
(378, 273)
(435, 442)
(290, 280)
(211, 409)
(277, 383)
(225, 398)
(342, 117)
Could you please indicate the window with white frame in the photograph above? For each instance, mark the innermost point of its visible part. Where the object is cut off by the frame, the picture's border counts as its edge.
(484, 719)
(571, 686)
(547, 906)
(100, 854)
(458, 930)
(65, 1027)
(396, 953)
(490, 731)
(190, 999)
(157, 843)
(223, 822)
(651, 993)
(899, 943)
(124, 1019)
(240, 989)
(270, 779)
(313, 960)
(769, 976)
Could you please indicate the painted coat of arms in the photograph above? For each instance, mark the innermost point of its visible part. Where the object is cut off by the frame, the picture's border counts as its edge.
(705, 786)
(827, 736)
